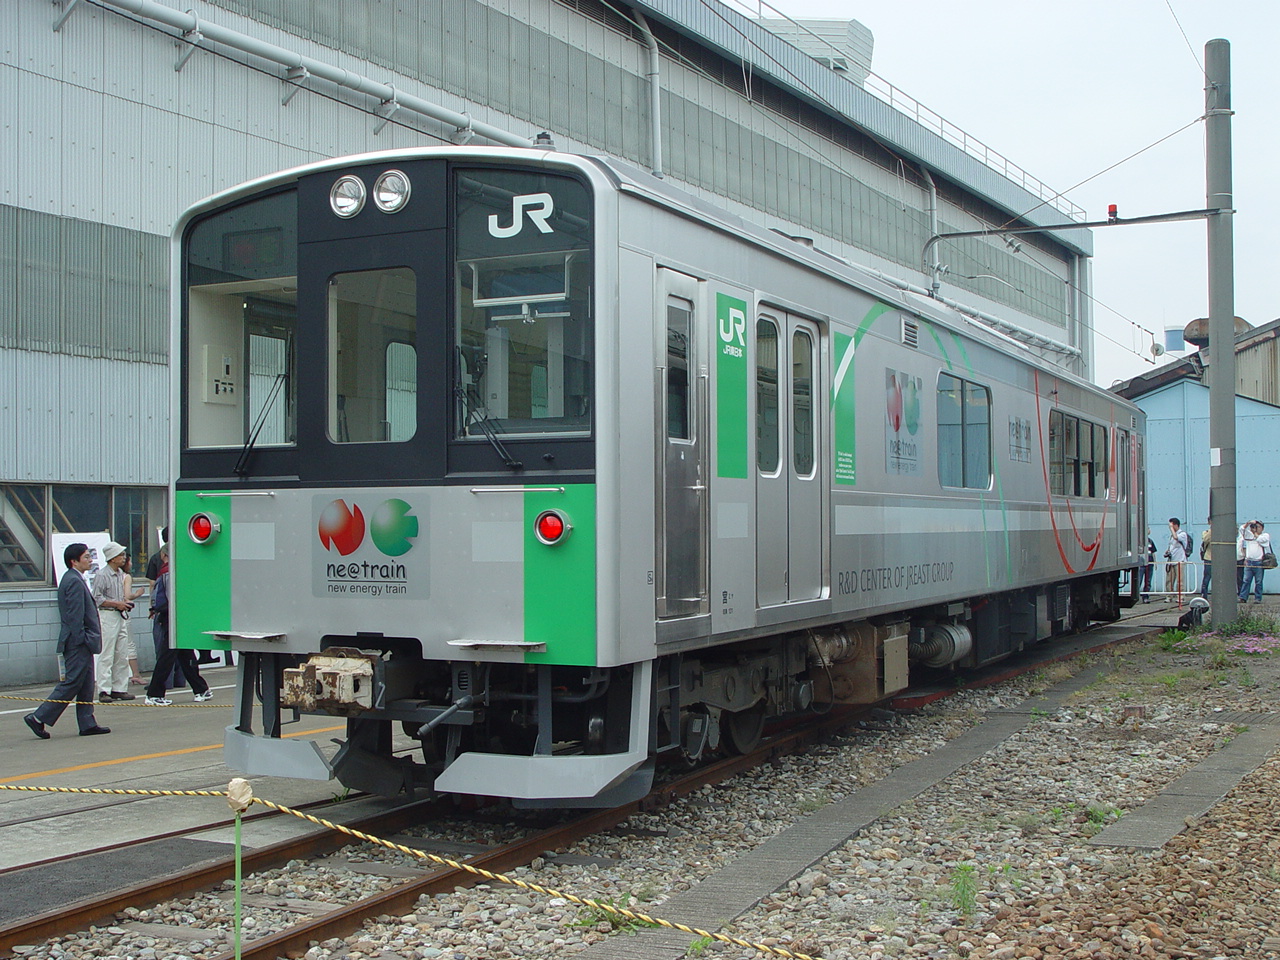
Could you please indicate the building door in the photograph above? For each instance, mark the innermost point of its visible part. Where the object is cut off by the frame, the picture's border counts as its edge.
(789, 561)
(682, 470)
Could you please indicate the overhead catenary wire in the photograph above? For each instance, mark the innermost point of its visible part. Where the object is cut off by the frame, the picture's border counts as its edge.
(1106, 169)
(1195, 56)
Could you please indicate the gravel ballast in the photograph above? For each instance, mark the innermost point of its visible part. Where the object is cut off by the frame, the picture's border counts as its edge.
(993, 862)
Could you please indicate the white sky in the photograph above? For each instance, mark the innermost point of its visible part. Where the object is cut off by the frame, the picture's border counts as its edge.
(1065, 90)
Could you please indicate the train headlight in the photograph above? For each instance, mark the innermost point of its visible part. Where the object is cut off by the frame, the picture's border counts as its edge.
(391, 191)
(346, 197)
(552, 527)
(204, 528)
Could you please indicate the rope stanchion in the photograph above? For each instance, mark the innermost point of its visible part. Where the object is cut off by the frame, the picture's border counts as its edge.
(239, 799)
(244, 795)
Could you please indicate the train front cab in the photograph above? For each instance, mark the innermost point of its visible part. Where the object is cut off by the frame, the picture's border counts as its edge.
(387, 462)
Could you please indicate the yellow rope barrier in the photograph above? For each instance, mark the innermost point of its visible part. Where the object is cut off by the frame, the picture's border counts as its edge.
(443, 861)
(138, 701)
(118, 792)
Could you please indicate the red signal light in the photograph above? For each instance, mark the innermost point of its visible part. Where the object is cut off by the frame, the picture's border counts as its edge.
(551, 527)
(203, 528)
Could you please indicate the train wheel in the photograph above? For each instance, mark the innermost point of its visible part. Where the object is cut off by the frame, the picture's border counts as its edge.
(740, 731)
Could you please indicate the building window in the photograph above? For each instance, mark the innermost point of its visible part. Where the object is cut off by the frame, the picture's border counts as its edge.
(79, 509)
(964, 433)
(31, 513)
(22, 533)
(139, 514)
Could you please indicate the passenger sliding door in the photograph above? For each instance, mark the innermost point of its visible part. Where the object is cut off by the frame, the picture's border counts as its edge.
(789, 548)
(682, 489)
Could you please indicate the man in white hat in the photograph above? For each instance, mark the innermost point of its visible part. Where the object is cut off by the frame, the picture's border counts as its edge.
(113, 609)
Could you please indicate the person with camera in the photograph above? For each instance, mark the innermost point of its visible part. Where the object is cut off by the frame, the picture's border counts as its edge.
(1254, 545)
(1176, 554)
(113, 610)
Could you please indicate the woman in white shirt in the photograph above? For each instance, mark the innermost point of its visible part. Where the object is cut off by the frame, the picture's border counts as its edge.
(1252, 545)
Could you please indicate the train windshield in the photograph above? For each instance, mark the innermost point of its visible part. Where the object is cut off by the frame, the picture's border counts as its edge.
(523, 325)
(242, 308)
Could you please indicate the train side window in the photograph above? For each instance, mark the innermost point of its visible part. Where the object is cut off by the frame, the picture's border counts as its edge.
(950, 431)
(1084, 434)
(1100, 461)
(802, 413)
(272, 415)
(679, 376)
(369, 310)
(1122, 468)
(977, 436)
(964, 433)
(767, 396)
(1056, 449)
(402, 390)
(1071, 456)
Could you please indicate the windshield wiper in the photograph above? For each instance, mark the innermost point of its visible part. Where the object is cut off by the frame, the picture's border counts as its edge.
(486, 427)
(241, 469)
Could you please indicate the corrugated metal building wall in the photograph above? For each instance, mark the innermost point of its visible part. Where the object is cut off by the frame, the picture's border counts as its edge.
(1178, 462)
(106, 143)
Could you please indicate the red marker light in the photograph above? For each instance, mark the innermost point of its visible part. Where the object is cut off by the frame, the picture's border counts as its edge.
(203, 528)
(1113, 212)
(551, 527)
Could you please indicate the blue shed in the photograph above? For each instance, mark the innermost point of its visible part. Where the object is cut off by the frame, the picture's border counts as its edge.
(1175, 398)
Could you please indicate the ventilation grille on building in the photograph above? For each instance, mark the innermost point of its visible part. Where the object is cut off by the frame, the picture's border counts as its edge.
(910, 332)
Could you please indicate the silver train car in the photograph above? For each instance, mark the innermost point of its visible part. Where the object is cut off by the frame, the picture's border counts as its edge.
(530, 469)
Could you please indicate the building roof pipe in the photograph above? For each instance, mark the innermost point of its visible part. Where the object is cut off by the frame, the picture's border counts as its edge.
(655, 93)
(385, 93)
(933, 265)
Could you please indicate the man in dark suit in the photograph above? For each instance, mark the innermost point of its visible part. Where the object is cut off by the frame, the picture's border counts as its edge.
(79, 642)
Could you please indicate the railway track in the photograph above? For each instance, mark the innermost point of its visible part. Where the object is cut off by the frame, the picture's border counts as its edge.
(341, 920)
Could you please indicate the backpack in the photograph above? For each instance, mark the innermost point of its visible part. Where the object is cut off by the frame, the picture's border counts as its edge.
(1186, 549)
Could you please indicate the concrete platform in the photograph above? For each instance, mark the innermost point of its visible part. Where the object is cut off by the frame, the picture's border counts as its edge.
(152, 748)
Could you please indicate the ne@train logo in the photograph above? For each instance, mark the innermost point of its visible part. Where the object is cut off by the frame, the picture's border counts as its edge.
(367, 555)
(538, 207)
(392, 529)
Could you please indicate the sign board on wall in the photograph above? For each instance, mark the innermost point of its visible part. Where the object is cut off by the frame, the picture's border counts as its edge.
(58, 543)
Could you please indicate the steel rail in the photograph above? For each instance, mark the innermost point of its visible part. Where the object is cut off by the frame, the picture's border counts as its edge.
(80, 915)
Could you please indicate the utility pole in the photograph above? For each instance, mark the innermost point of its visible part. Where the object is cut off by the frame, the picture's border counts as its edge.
(1222, 330)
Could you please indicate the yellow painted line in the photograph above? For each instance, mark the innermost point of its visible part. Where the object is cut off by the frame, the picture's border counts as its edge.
(152, 756)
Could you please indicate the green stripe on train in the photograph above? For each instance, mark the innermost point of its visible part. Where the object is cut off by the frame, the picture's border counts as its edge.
(560, 580)
(201, 581)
